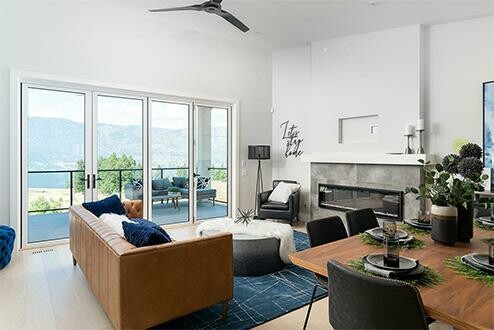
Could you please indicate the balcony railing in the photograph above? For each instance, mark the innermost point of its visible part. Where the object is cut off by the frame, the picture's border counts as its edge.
(75, 175)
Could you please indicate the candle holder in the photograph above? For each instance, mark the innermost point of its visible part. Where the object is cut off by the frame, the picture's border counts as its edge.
(420, 149)
(408, 149)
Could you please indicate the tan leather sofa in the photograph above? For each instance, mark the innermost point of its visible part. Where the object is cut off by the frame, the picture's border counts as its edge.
(142, 287)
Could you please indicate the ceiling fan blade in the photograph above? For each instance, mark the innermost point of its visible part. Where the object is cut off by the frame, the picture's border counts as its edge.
(216, 1)
(233, 20)
(194, 7)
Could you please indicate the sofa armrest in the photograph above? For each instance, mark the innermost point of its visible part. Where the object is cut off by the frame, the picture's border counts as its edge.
(263, 197)
(175, 279)
(294, 203)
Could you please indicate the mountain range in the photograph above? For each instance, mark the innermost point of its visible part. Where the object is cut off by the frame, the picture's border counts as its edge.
(57, 144)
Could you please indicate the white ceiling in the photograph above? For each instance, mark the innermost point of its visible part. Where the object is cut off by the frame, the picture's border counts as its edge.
(279, 24)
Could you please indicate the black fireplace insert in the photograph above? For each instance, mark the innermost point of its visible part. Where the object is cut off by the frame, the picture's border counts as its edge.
(385, 203)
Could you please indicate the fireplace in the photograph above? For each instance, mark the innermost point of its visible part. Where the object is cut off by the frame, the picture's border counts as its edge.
(385, 203)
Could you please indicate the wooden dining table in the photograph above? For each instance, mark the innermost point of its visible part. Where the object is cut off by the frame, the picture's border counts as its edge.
(459, 301)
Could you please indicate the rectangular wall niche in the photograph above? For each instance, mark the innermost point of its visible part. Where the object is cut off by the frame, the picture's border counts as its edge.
(358, 129)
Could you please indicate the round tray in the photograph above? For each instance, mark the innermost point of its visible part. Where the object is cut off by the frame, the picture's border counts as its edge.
(406, 264)
(486, 219)
(379, 233)
(415, 223)
(482, 259)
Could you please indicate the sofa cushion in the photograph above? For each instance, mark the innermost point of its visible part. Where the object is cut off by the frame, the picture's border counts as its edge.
(275, 206)
(111, 204)
(161, 184)
(179, 181)
(140, 232)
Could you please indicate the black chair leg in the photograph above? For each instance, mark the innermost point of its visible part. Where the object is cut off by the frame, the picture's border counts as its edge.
(310, 305)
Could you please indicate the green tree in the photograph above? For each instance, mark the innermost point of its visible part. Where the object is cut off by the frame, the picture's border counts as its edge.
(108, 173)
(182, 171)
(42, 203)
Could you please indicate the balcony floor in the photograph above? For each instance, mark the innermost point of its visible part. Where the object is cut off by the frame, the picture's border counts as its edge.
(46, 227)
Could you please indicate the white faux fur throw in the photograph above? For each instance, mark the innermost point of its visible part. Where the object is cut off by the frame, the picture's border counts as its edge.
(260, 228)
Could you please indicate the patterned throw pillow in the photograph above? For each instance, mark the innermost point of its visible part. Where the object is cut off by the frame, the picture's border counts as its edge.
(136, 183)
(203, 182)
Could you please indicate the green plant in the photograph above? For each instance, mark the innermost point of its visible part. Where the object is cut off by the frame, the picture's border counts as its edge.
(173, 190)
(42, 203)
(108, 172)
(459, 267)
(488, 241)
(454, 181)
(429, 277)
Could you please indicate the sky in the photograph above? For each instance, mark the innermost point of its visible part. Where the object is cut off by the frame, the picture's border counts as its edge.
(112, 110)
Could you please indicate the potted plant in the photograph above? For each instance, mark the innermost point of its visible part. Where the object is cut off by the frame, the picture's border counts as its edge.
(450, 186)
(174, 190)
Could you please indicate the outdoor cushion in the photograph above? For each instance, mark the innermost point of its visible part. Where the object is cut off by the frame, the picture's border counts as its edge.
(111, 204)
(179, 181)
(160, 192)
(208, 191)
(203, 182)
(7, 238)
(161, 184)
(274, 206)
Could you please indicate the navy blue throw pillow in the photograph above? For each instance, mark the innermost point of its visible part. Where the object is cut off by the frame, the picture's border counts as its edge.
(144, 233)
(111, 204)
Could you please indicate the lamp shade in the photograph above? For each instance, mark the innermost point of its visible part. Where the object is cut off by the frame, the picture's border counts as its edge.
(259, 152)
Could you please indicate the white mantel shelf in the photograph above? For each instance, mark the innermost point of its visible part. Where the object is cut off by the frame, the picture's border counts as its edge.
(378, 159)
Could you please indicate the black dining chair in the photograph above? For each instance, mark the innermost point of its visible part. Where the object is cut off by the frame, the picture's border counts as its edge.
(323, 231)
(360, 301)
(359, 221)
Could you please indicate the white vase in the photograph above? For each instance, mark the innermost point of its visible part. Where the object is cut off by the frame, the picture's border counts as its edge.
(444, 224)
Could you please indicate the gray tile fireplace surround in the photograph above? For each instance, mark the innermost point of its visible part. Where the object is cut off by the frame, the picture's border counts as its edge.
(392, 177)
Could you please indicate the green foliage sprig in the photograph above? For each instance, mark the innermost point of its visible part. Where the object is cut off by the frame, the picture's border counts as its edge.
(413, 230)
(413, 244)
(454, 181)
(429, 277)
(459, 267)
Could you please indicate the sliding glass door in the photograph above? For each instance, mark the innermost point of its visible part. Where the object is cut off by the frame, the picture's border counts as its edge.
(84, 145)
(119, 147)
(55, 167)
(169, 150)
(211, 162)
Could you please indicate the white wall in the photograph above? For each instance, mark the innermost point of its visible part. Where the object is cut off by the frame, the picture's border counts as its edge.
(106, 43)
(459, 58)
(400, 74)
(292, 101)
(374, 73)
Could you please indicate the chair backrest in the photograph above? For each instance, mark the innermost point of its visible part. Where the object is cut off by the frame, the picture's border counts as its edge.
(326, 230)
(359, 301)
(359, 221)
(276, 182)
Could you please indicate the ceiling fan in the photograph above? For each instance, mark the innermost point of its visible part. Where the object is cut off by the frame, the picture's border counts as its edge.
(211, 7)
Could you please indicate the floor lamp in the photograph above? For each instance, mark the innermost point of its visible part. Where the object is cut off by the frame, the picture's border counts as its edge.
(259, 152)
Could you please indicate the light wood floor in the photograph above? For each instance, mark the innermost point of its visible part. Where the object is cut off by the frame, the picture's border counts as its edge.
(44, 291)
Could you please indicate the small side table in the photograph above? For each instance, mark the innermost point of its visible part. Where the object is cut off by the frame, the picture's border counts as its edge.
(174, 197)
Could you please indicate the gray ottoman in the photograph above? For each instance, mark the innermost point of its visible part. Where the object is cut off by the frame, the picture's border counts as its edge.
(255, 256)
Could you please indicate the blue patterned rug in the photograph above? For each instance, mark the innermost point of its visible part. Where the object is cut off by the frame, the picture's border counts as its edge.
(257, 299)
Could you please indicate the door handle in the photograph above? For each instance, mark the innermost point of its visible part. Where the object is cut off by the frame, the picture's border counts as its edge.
(94, 180)
(87, 180)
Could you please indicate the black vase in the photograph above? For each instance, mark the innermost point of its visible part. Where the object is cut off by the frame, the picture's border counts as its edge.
(465, 223)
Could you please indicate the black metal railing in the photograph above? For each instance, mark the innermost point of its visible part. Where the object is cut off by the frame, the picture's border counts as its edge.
(73, 175)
